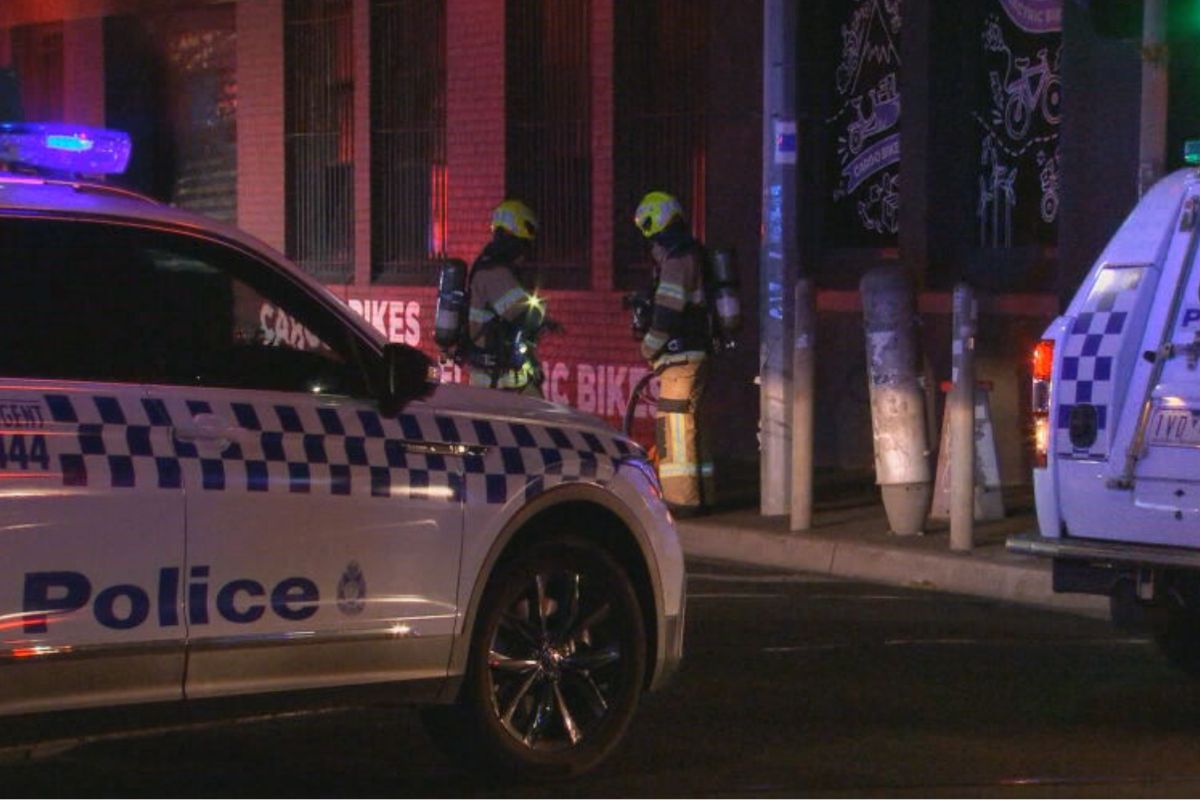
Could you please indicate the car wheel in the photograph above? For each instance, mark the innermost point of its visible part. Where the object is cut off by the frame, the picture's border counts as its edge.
(556, 664)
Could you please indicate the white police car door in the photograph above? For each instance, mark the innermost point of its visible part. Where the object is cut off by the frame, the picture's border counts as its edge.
(323, 540)
(91, 503)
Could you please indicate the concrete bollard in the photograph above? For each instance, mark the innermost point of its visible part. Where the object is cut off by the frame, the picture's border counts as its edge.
(961, 408)
(897, 399)
(803, 349)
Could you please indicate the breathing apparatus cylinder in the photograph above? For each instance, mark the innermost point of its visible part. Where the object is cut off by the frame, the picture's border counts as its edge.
(640, 304)
(451, 303)
(724, 293)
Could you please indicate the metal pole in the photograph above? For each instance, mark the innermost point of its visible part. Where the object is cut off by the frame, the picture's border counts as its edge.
(961, 408)
(803, 348)
(779, 248)
(1152, 147)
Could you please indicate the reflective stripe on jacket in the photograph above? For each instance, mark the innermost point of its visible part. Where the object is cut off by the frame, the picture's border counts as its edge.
(679, 318)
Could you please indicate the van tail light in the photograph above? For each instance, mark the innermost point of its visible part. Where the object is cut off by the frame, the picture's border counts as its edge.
(1043, 369)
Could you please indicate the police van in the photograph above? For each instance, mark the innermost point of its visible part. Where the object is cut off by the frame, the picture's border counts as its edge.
(217, 481)
(1116, 392)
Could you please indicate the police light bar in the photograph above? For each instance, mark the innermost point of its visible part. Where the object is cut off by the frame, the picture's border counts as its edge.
(1191, 152)
(60, 147)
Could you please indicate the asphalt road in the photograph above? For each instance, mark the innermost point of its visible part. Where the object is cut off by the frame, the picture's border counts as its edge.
(792, 685)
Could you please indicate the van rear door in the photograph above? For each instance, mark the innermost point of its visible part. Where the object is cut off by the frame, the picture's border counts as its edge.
(1167, 468)
(1128, 465)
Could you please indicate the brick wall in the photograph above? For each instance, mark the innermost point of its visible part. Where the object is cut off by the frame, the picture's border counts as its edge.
(602, 32)
(361, 25)
(83, 71)
(595, 352)
(474, 120)
(593, 364)
(260, 159)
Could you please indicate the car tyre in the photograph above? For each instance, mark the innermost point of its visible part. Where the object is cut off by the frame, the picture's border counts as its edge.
(555, 669)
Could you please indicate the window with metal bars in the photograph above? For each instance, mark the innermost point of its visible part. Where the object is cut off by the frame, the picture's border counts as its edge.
(319, 137)
(660, 85)
(201, 96)
(548, 161)
(408, 139)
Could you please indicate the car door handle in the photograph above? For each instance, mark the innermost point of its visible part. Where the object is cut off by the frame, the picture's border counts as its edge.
(443, 448)
(205, 428)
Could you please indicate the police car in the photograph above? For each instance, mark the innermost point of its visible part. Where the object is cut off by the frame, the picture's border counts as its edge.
(216, 480)
(1116, 388)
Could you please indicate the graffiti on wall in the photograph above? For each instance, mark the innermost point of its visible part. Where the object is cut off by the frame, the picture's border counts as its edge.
(1019, 147)
(866, 198)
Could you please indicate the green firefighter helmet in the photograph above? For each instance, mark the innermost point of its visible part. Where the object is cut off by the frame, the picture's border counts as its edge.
(516, 218)
(656, 212)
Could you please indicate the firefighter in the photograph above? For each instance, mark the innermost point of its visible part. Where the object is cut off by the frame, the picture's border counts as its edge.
(677, 345)
(504, 319)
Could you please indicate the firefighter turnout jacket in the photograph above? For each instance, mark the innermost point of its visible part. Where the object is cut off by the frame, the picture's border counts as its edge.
(679, 323)
(501, 310)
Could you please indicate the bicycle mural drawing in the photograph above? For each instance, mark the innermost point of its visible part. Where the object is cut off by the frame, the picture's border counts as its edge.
(1036, 87)
(880, 212)
(857, 47)
(868, 116)
(1019, 149)
(885, 113)
(1048, 178)
(997, 198)
(1029, 85)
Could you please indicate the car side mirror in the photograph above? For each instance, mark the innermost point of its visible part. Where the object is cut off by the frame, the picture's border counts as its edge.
(408, 375)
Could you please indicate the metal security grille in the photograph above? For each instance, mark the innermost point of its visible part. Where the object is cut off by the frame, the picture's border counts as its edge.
(319, 137)
(661, 80)
(408, 139)
(548, 143)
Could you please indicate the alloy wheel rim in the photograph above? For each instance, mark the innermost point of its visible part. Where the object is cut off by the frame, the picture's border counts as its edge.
(555, 661)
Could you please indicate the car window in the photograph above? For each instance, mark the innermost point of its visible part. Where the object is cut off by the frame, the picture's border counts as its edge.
(107, 302)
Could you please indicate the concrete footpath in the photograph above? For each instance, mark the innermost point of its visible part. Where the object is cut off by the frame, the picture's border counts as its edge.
(850, 539)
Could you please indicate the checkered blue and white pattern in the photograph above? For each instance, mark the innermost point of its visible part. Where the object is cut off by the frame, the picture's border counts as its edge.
(532, 458)
(1089, 362)
(310, 449)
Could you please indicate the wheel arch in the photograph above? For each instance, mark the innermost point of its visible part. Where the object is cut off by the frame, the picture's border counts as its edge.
(610, 525)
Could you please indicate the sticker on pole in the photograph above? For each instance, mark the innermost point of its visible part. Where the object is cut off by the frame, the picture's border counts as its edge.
(785, 141)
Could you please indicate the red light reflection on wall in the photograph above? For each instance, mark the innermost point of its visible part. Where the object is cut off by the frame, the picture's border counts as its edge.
(440, 189)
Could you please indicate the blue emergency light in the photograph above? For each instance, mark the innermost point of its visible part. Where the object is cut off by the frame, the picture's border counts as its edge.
(60, 147)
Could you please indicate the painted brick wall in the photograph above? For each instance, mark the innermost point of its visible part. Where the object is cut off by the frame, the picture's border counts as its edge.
(361, 26)
(260, 179)
(601, 54)
(474, 120)
(593, 364)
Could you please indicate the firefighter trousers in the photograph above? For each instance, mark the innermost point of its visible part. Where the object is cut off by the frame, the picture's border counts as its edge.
(683, 466)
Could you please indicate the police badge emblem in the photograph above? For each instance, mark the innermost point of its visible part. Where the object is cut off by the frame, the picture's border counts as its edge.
(352, 590)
